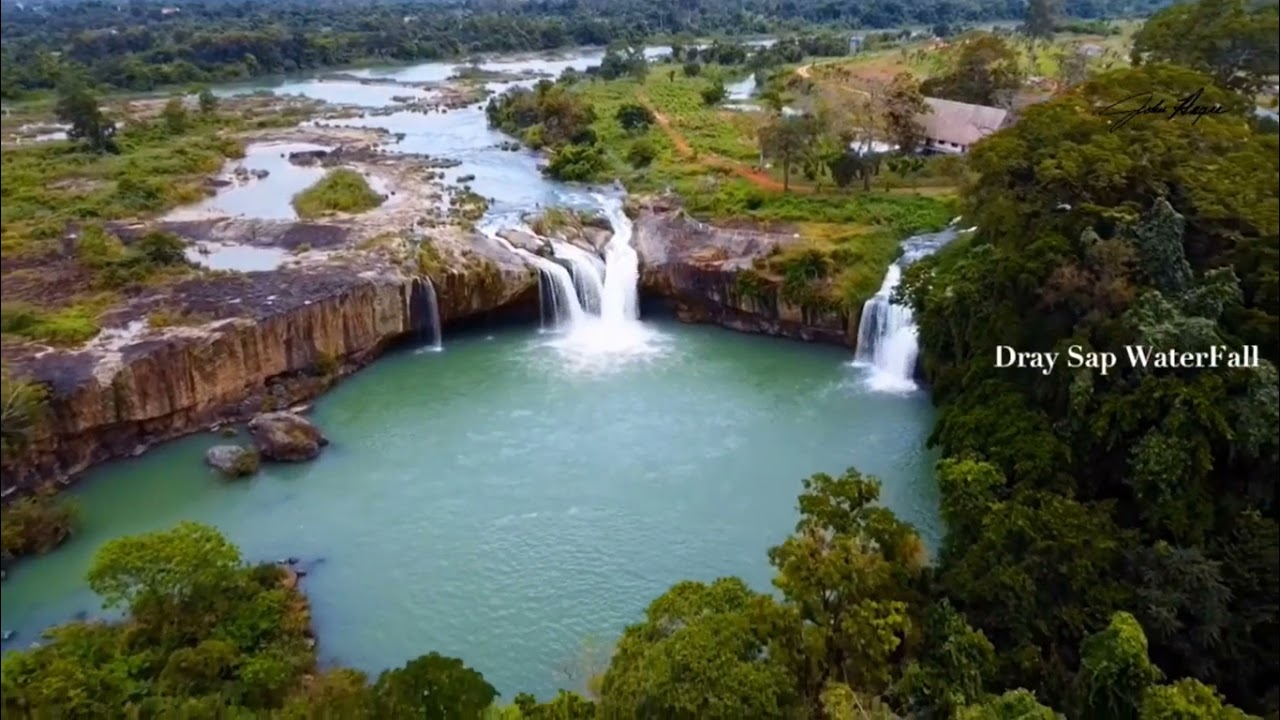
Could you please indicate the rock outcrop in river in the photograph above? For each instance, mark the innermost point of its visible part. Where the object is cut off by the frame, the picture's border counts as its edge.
(697, 270)
(286, 437)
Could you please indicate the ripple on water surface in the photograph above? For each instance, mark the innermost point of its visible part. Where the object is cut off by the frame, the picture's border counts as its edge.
(503, 502)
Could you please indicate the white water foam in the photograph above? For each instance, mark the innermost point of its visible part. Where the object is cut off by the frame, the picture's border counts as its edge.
(594, 318)
(888, 343)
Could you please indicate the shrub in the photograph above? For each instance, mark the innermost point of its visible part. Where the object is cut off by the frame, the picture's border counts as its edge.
(341, 190)
(634, 117)
(576, 163)
(36, 524)
(67, 326)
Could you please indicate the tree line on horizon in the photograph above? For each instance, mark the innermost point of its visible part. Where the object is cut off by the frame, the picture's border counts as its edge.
(144, 45)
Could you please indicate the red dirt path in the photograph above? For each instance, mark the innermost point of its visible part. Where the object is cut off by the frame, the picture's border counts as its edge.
(756, 177)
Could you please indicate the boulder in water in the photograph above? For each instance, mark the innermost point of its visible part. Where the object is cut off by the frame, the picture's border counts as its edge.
(232, 461)
(286, 437)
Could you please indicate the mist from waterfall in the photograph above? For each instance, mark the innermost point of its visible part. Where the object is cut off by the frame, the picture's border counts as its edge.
(888, 342)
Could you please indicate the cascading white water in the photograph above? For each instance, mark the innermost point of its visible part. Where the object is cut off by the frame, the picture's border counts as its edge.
(566, 311)
(433, 317)
(561, 308)
(587, 271)
(620, 303)
(596, 307)
(887, 333)
(887, 338)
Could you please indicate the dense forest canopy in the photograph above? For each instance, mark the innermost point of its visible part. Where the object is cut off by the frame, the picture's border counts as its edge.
(143, 44)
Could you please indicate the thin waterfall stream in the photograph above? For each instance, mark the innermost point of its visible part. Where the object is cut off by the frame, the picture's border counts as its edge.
(433, 331)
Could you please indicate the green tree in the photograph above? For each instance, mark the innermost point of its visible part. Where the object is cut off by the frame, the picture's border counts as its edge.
(634, 117)
(1188, 700)
(642, 153)
(953, 668)
(1041, 18)
(785, 140)
(714, 94)
(1013, 705)
(79, 108)
(81, 671)
(206, 637)
(1115, 671)
(174, 116)
(986, 72)
(565, 706)
(903, 106)
(434, 687)
(1034, 552)
(692, 69)
(208, 102)
(848, 574)
(699, 653)
(1232, 40)
(168, 566)
(337, 693)
(576, 163)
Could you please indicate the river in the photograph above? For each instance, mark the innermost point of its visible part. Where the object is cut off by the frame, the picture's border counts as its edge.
(522, 491)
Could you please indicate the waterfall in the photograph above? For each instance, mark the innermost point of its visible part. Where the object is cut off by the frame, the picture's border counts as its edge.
(433, 316)
(565, 309)
(594, 302)
(587, 272)
(887, 333)
(558, 296)
(620, 301)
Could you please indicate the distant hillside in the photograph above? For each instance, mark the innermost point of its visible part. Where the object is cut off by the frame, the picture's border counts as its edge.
(147, 43)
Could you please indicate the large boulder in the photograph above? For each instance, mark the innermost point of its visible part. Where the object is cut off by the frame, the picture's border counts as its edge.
(232, 461)
(286, 437)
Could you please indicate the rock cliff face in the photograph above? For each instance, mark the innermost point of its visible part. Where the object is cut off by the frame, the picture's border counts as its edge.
(700, 272)
(276, 338)
(268, 340)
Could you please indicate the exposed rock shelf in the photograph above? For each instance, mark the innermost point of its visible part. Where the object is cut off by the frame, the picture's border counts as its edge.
(278, 338)
(268, 340)
(696, 269)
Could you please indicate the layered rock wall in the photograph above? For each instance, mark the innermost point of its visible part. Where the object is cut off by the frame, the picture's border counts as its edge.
(705, 275)
(133, 387)
(268, 340)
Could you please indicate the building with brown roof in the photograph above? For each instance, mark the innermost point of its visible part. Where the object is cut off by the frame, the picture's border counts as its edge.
(950, 127)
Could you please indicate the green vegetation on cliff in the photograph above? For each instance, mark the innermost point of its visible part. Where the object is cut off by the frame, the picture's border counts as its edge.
(1072, 495)
(341, 190)
(42, 521)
